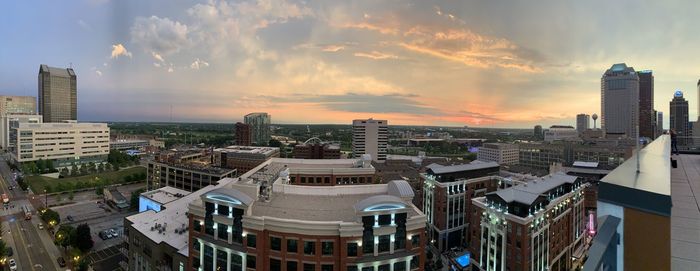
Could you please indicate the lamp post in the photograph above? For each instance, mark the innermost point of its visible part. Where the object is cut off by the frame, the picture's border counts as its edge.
(46, 199)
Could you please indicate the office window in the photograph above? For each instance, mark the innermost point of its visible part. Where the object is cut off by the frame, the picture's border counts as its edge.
(251, 240)
(326, 267)
(327, 248)
(292, 246)
(275, 265)
(250, 261)
(352, 249)
(309, 247)
(309, 267)
(275, 243)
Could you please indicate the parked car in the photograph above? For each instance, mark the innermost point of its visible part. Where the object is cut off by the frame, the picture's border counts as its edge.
(113, 232)
(105, 235)
(9, 251)
(13, 264)
(61, 262)
(41, 226)
(70, 218)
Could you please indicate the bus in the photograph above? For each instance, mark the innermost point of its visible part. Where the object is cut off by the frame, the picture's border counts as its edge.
(27, 212)
(5, 199)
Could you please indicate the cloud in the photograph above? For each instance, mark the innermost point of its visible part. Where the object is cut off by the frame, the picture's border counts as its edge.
(363, 103)
(84, 25)
(156, 64)
(376, 55)
(119, 50)
(157, 56)
(197, 64)
(99, 73)
(159, 35)
(170, 69)
(480, 117)
(333, 48)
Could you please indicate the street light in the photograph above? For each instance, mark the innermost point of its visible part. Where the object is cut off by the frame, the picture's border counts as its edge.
(46, 201)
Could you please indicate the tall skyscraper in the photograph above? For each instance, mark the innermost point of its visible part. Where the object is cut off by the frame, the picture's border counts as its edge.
(646, 103)
(678, 118)
(370, 136)
(17, 105)
(583, 122)
(242, 134)
(538, 133)
(619, 98)
(58, 97)
(259, 128)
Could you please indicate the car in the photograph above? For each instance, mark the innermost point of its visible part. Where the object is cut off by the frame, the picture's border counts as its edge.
(105, 235)
(13, 264)
(61, 262)
(70, 218)
(10, 187)
(41, 226)
(9, 251)
(113, 232)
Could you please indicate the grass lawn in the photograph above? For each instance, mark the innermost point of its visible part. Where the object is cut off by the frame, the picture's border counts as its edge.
(37, 183)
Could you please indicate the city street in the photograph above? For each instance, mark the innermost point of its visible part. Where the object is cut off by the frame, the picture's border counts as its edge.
(33, 248)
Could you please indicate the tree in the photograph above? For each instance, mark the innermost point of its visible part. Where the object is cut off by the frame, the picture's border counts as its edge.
(63, 236)
(70, 195)
(84, 238)
(41, 166)
(51, 217)
(49, 166)
(100, 167)
(65, 172)
(74, 170)
(135, 198)
(275, 143)
(3, 249)
(83, 265)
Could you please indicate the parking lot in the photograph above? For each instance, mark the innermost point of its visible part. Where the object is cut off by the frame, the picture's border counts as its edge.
(107, 259)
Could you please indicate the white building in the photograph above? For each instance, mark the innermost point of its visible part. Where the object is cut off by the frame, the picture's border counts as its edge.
(501, 153)
(65, 143)
(619, 94)
(370, 136)
(560, 132)
(8, 121)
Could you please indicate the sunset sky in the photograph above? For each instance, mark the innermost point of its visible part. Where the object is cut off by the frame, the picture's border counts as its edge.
(476, 63)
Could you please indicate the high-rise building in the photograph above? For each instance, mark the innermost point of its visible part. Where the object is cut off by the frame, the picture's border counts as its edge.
(646, 104)
(678, 119)
(619, 98)
(370, 136)
(660, 122)
(583, 122)
(58, 98)
(538, 133)
(17, 105)
(242, 134)
(259, 128)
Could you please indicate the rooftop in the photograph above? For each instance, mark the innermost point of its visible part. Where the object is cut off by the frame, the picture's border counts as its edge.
(685, 213)
(165, 195)
(527, 193)
(248, 150)
(474, 165)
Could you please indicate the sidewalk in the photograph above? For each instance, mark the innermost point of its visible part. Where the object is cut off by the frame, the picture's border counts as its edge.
(47, 242)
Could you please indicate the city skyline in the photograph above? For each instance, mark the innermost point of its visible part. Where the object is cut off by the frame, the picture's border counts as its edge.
(331, 62)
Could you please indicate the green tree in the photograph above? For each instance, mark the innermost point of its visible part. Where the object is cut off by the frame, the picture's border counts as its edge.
(49, 166)
(3, 249)
(83, 264)
(65, 172)
(74, 170)
(41, 165)
(51, 217)
(63, 236)
(135, 198)
(84, 239)
(100, 167)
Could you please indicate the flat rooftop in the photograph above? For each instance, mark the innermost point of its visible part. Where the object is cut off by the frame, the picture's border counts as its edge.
(685, 213)
(165, 195)
(320, 163)
(248, 150)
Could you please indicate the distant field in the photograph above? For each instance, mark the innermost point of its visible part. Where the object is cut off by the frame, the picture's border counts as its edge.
(39, 183)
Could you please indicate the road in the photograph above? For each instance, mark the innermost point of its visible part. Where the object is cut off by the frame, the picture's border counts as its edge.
(33, 248)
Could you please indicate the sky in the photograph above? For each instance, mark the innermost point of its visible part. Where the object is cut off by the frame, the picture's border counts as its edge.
(448, 63)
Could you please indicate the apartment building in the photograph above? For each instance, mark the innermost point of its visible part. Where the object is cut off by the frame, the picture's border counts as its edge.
(370, 136)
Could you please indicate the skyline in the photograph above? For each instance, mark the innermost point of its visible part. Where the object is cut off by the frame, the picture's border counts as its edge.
(332, 62)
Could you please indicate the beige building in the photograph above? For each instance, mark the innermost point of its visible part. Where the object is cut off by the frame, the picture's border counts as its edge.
(65, 143)
(21, 105)
(370, 136)
(501, 153)
(58, 98)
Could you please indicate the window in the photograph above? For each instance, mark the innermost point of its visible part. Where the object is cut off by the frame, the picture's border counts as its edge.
(197, 225)
(309, 248)
(384, 243)
(275, 265)
(384, 220)
(352, 249)
(414, 262)
(222, 231)
(327, 248)
(309, 267)
(368, 268)
(208, 258)
(399, 266)
(221, 257)
(251, 240)
(195, 244)
(292, 246)
(223, 210)
(250, 262)
(352, 268)
(384, 267)
(415, 240)
(326, 267)
(275, 243)
(292, 266)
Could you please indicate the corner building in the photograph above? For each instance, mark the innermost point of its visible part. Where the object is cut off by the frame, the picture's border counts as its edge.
(535, 226)
(260, 221)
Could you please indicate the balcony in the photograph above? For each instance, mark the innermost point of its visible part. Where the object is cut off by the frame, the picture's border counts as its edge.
(649, 219)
